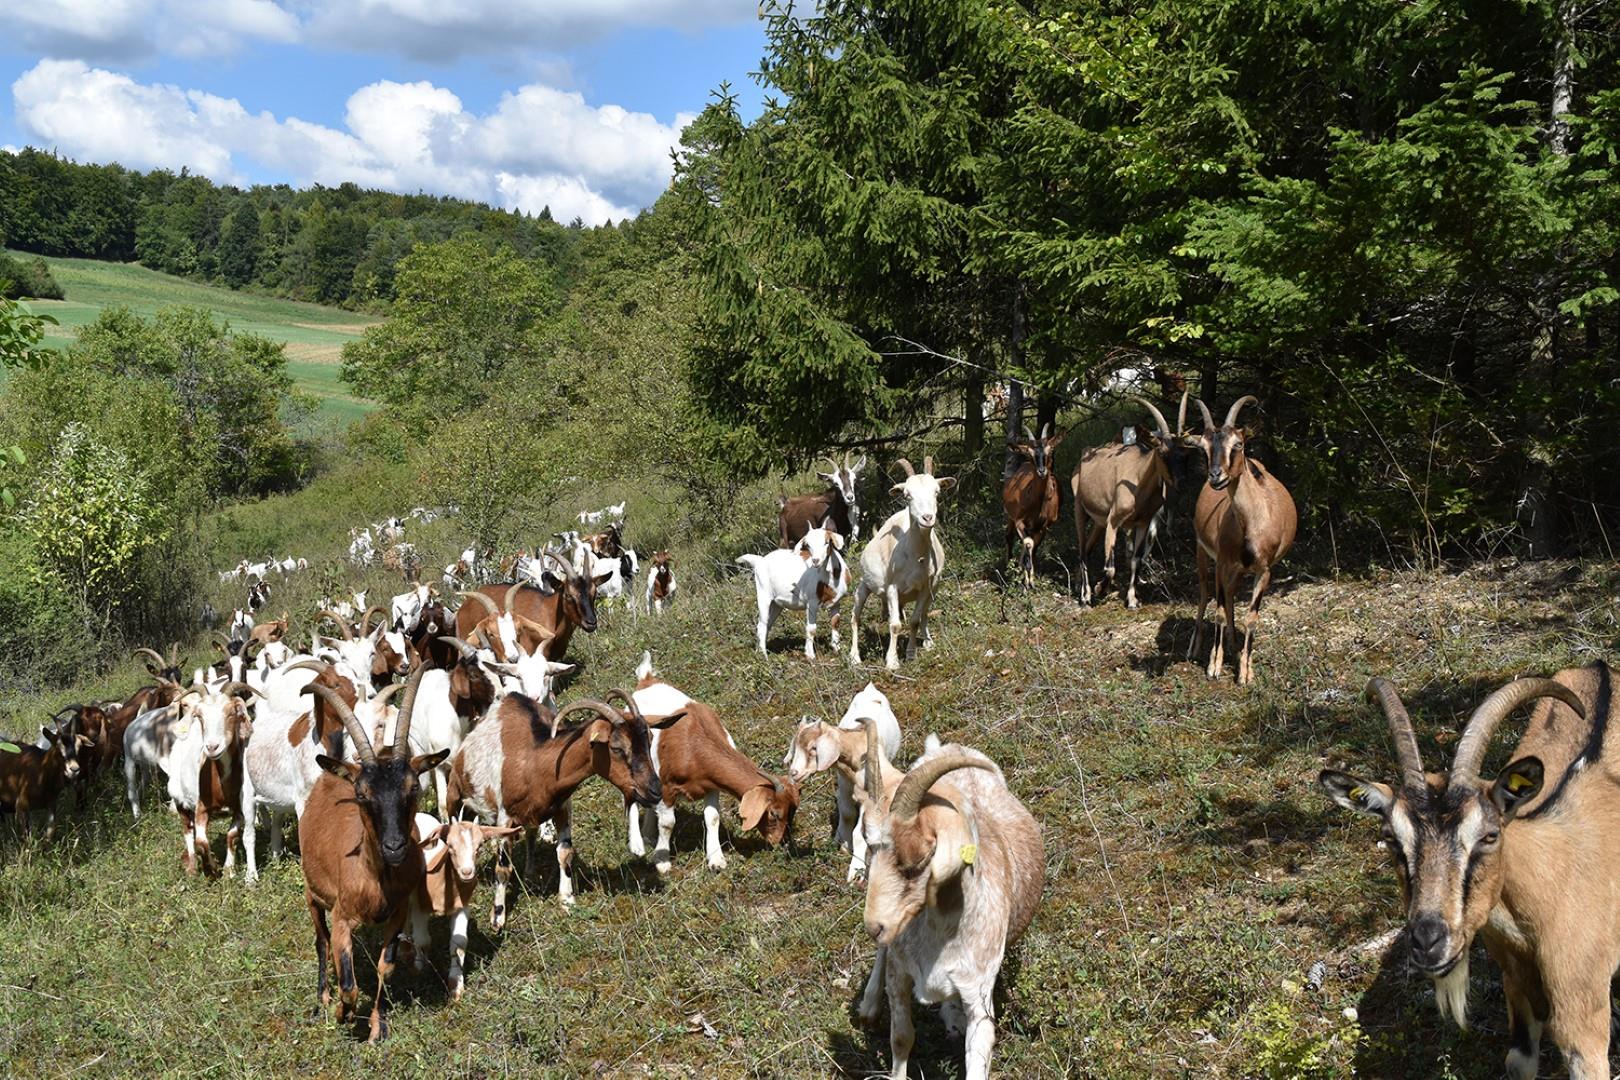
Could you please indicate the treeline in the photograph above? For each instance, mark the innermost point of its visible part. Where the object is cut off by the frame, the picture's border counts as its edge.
(1397, 224)
(337, 245)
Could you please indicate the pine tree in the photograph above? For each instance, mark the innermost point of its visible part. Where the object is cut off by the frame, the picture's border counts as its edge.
(239, 245)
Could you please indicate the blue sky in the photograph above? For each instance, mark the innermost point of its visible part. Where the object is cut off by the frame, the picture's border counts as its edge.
(567, 103)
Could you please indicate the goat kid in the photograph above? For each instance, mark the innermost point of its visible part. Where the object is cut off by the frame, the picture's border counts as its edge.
(450, 874)
(809, 576)
(818, 746)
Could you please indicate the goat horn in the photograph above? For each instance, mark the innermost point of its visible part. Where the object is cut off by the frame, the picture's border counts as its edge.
(606, 712)
(482, 599)
(365, 620)
(511, 595)
(1237, 407)
(847, 455)
(156, 657)
(357, 734)
(1181, 414)
(909, 795)
(1158, 417)
(1400, 731)
(402, 727)
(635, 710)
(174, 654)
(466, 649)
(1493, 710)
(568, 571)
(236, 686)
(309, 665)
(342, 623)
(928, 464)
(906, 465)
(874, 782)
(1028, 435)
(1209, 421)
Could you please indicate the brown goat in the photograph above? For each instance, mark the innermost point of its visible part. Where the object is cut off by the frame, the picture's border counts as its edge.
(1030, 498)
(801, 513)
(361, 856)
(450, 851)
(32, 779)
(1525, 861)
(570, 606)
(1119, 488)
(1245, 522)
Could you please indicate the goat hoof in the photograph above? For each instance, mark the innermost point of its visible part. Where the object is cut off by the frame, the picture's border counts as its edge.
(717, 863)
(456, 990)
(663, 867)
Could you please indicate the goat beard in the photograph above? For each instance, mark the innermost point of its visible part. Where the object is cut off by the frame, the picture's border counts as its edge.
(1451, 993)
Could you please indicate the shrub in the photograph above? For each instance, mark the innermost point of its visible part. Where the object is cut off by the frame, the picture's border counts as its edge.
(30, 280)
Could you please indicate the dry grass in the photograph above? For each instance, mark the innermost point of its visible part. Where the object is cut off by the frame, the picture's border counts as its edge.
(1195, 875)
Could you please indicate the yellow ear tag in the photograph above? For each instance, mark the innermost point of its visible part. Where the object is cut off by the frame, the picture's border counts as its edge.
(1518, 782)
(969, 853)
(1357, 792)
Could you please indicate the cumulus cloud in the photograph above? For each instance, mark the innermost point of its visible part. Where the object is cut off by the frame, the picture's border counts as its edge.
(538, 147)
(124, 30)
(439, 30)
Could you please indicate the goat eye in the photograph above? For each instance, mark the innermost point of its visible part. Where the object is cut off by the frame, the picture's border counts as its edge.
(1490, 838)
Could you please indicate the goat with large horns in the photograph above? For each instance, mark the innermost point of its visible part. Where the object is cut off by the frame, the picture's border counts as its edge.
(1245, 522)
(1120, 487)
(1526, 861)
(957, 870)
(362, 858)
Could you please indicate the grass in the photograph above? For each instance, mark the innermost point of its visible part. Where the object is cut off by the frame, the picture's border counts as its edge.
(1196, 877)
(315, 335)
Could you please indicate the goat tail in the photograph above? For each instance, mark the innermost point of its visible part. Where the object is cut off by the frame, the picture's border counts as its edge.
(749, 560)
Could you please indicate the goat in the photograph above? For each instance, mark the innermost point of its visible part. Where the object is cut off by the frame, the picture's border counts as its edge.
(1245, 522)
(450, 857)
(839, 502)
(362, 550)
(147, 742)
(258, 595)
(569, 605)
(957, 872)
(240, 626)
(661, 584)
(403, 609)
(904, 561)
(818, 746)
(809, 576)
(1120, 487)
(1030, 498)
(204, 767)
(1525, 861)
(361, 858)
(519, 766)
(696, 758)
(32, 778)
(268, 633)
(161, 668)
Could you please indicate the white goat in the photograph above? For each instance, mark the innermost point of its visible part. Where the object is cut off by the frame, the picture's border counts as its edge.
(937, 943)
(904, 561)
(147, 741)
(818, 746)
(808, 576)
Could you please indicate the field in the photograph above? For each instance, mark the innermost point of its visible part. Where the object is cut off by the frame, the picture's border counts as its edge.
(1208, 913)
(314, 334)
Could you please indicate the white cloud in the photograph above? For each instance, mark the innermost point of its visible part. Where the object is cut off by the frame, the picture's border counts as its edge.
(539, 147)
(440, 30)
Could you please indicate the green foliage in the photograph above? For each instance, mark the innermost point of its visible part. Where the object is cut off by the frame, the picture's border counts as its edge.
(27, 280)
(1282, 1046)
(20, 334)
(463, 316)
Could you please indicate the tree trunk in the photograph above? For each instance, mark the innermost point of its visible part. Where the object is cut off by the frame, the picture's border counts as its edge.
(1015, 389)
(1563, 88)
(973, 414)
(1208, 373)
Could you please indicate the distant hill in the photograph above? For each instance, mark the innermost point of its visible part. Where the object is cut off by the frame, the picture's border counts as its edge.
(314, 334)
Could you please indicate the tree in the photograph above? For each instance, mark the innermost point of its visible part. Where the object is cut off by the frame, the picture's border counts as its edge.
(239, 245)
(462, 315)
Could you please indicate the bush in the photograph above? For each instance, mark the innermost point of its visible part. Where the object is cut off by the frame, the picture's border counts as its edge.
(30, 280)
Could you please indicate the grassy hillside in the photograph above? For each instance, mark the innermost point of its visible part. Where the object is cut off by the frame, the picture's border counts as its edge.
(1196, 878)
(314, 334)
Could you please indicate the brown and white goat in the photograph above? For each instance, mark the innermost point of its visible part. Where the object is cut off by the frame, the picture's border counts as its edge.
(361, 856)
(1526, 861)
(450, 856)
(1245, 522)
(1119, 488)
(163, 670)
(696, 758)
(520, 767)
(1030, 498)
(32, 778)
(956, 875)
(205, 769)
(840, 502)
(661, 583)
(569, 606)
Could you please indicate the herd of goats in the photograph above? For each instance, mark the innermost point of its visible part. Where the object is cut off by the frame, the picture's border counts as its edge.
(346, 735)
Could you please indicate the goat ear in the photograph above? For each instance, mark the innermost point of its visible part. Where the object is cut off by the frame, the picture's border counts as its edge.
(946, 483)
(423, 762)
(755, 801)
(827, 476)
(837, 540)
(84, 740)
(826, 752)
(600, 731)
(343, 770)
(896, 489)
(501, 832)
(955, 846)
(601, 579)
(1356, 794)
(1517, 784)
(668, 721)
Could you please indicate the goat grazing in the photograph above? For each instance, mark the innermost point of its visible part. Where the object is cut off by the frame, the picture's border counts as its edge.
(1120, 487)
(661, 583)
(956, 874)
(818, 746)
(801, 513)
(1030, 498)
(1245, 522)
(903, 561)
(808, 576)
(696, 758)
(450, 874)
(1524, 861)
(362, 860)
